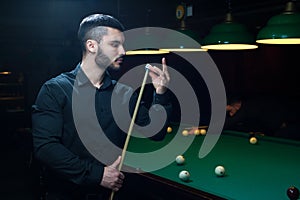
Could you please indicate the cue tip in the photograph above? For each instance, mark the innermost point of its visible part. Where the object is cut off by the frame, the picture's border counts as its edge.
(147, 66)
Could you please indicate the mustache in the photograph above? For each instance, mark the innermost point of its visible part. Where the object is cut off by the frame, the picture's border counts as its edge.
(120, 57)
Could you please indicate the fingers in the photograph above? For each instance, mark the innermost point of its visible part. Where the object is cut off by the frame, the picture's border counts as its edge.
(165, 69)
(160, 77)
(163, 61)
(156, 72)
(118, 182)
(117, 162)
(112, 177)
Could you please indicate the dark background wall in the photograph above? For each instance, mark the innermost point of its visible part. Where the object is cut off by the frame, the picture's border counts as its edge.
(38, 39)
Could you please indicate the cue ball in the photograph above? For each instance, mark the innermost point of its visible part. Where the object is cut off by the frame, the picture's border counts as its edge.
(220, 171)
(185, 132)
(184, 175)
(180, 160)
(202, 131)
(253, 140)
(169, 129)
(293, 193)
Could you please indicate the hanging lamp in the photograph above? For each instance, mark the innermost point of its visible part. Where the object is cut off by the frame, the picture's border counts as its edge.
(283, 28)
(143, 41)
(146, 51)
(5, 72)
(183, 39)
(229, 35)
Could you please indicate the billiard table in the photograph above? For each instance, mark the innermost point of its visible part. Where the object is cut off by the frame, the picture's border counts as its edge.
(264, 170)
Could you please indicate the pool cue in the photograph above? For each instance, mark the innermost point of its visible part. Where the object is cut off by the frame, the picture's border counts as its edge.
(132, 123)
(199, 127)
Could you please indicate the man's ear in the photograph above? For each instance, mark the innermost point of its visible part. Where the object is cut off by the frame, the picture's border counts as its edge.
(91, 46)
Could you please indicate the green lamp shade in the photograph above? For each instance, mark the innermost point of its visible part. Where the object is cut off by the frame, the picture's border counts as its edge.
(190, 33)
(183, 40)
(281, 29)
(228, 36)
(156, 40)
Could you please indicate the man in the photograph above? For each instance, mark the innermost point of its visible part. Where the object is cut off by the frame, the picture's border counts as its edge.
(260, 114)
(71, 171)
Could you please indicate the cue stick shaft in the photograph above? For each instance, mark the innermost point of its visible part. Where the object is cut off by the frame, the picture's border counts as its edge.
(133, 118)
(131, 124)
(196, 127)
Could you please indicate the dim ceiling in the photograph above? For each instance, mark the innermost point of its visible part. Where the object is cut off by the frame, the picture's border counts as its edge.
(51, 22)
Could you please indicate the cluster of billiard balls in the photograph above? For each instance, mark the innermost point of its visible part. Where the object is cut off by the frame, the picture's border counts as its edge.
(194, 131)
(184, 175)
(186, 132)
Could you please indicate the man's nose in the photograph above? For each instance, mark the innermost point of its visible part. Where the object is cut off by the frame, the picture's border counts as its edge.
(122, 50)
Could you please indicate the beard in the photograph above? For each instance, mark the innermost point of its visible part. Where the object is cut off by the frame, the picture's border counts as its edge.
(102, 60)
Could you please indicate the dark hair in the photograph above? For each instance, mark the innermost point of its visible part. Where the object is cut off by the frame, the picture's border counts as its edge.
(234, 98)
(93, 21)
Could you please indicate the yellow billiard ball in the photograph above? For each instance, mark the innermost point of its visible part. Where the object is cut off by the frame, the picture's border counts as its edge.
(185, 132)
(253, 140)
(197, 132)
(169, 129)
(202, 131)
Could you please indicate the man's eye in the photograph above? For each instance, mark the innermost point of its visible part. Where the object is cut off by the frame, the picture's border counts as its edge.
(115, 44)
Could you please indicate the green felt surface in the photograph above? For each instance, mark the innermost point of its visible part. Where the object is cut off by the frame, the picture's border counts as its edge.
(261, 171)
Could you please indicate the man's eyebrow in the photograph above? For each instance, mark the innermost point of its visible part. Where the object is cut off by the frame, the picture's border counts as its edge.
(116, 41)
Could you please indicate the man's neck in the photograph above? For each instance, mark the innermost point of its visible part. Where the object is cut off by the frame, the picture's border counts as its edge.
(94, 73)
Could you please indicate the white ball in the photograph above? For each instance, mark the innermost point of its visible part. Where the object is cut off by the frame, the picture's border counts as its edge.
(180, 160)
(184, 175)
(220, 171)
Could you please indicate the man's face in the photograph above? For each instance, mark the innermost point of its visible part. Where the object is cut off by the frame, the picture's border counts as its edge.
(110, 49)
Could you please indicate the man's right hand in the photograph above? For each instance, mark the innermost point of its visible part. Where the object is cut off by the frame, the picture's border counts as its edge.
(112, 177)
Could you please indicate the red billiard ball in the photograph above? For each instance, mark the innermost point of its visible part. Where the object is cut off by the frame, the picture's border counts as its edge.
(293, 193)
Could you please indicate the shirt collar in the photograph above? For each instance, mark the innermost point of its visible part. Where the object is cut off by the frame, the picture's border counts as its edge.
(82, 79)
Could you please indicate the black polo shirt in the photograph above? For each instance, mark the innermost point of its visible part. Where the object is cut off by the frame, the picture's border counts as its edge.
(56, 141)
